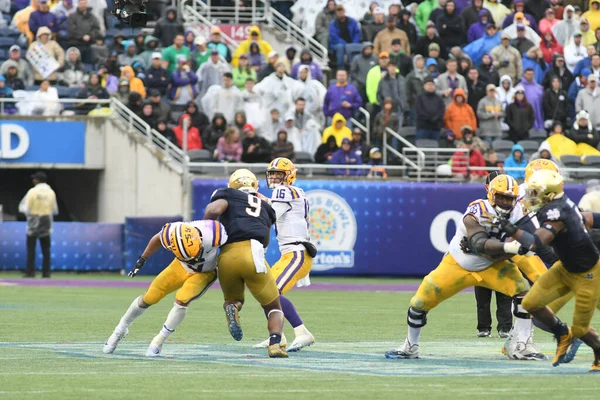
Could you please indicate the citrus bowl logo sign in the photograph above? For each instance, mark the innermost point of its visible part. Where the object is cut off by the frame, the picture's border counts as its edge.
(332, 230)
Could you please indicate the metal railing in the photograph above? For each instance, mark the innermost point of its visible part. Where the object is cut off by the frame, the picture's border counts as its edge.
(190, 13)
(232, 14)
(3, 101)
(418, 166)
(433, 157)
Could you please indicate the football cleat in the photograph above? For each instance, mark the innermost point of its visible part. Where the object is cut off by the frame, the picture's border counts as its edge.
(406, 351)
(533, 352)
(484, 333)
(155, 346)
(503, 334)
(113, 341)
(570, 356)
(563, 342)
(302, 341)
(277, 351)
(265, 343)
(596, 365)
(526, 351)
(233, 322)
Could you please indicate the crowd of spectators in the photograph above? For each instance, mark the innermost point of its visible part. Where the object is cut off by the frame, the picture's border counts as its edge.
(464, 74)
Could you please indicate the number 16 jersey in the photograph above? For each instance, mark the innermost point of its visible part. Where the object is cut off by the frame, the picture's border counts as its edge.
(247, 217)
(291, 207)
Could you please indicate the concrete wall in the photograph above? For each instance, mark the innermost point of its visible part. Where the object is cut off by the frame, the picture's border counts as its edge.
(135, 181)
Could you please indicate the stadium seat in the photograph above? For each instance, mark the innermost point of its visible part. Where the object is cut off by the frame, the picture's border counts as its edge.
(539, 135)
(6, 42)
(32, 88)
(177, 107)
(88, 67)
(592, 161)
(530, 146)
(408, 132)
(502, 145)
(201, 155)
(427, 143)
(8, 32)
(573, 162)
(3, 55)
(63, 91)
(73, 92)
(7, 18)
(501, 156)
(304, 158)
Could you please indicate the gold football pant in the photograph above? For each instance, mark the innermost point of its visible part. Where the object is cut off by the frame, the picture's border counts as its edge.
(191, 286)
(449, 278)
(557, 283)
(290, 268)
(236, 268)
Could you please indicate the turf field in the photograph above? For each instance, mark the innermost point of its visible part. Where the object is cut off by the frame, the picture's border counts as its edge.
(51, 348)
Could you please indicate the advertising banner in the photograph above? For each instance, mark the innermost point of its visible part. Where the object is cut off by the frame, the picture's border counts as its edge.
(42, 142)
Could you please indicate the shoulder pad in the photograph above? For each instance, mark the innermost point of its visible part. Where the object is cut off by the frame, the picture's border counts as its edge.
(284, 194)
(219, 194)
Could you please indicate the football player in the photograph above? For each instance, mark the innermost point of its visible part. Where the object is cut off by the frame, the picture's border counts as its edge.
(191, 273)
(292, 228)
(565, 228)
(248, 220)
(488, 267)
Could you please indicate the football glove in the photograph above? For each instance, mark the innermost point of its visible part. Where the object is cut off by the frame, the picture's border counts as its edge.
(136, 268)
(465, 245)
(507, 227)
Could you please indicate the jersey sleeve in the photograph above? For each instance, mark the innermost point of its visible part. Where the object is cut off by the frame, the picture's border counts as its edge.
(475, 209)
(219, 194)
(551, 214)
(284, 194)
(165, 233)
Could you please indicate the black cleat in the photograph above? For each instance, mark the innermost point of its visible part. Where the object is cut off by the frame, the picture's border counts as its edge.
(233, 322)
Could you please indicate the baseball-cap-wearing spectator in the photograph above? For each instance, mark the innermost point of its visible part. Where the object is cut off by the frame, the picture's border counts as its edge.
(550, 47)
(459, 113)
(200, 54)
(43, 103)
(408, 27)
(108, 80)
(84, 28)
(12, 76)
(564, 29)
(588, 100)
(93, 90)
(430, 109)
(386, 118)
(558, 68)
(374, 76)
(519, 116)
(451, 26)
(122, 93)
(43, 38)
(534, 94)
(289, 58)
(422, 15)
(72, 73)
(168, 27)
(135, 84)
(229, 147)
(25, 71)
(498, 10)
(376, 161)
(255, 148)
(370, 30)
(269, 67)
(434, 51)
(156, 76)
(322, 22)
(383, 40)
(471, 13)
(477, 29)
(211, 73)
(534, 60)
(282, 147)
(306, 59)
(548, 22)
(593, 14)
(345, 155)
(519, 7)
(507, 59)
(360, 67)
(588, 35)
(244, 47)
(522, 43)
(393, 86)
(342, 97)
(555, 103)
(575, 51)
(171, 53)
(43, 17)
(487, 72)
(216, 42)
(160, 109)
(194, 142)
(337, 129)
(150, 47)
(490, 114)
(583, 131)
(183, 83)
(243, 72)
(424, 42)
(448, 82)
(344, 36)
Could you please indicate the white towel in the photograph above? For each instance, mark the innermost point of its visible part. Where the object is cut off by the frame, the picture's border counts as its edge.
(304, 282)
(258, 255)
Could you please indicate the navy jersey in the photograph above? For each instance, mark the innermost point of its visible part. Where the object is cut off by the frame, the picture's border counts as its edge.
(529, 223)
(247, 217)
(573, 245)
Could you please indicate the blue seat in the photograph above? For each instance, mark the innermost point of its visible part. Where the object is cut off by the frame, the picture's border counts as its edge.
(63, 91)
(88, 67)
(7, 18)
(32, 88)
(73, 92)
(6, 42)
(8, 32)
(3, 54)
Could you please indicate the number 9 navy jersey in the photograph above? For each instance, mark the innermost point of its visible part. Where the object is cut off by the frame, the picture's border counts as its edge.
(247, 217)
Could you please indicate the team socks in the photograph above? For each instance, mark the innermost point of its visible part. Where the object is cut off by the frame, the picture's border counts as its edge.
(133, 312)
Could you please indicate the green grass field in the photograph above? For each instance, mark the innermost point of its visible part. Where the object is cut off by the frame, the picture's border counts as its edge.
(51, 348)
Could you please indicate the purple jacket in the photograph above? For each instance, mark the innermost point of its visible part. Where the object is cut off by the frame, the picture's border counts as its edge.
(38, 19)
(477, 30)
(338, 94)
(534, 93)
(179, 79)
(315, 71)
(349, 158)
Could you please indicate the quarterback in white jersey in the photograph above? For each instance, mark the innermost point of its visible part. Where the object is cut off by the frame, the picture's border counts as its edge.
(477, 257)
(292, 229)
(193, 270)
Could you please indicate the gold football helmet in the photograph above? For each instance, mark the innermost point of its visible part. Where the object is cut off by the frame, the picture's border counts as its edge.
(183, 240)
(507, 187)
(543, 187)
(244, 180)
(281, 171)
(539, 164)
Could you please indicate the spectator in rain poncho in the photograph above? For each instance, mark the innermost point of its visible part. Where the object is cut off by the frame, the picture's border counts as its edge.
(534, 60)
(505, 93)
(278, 90)
(313, 92)
(226, 99)
(43, 103)
(534, 92)
(307, 137)
(211, 73)
(306, 60)
(565, 29)
(252, 106)
(575, 51)
(477, 29)
(530, 34)
(72, 73)
(483, 45)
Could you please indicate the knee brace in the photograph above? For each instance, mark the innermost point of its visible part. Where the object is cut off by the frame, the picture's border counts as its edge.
(415, 318)
(518, 310)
